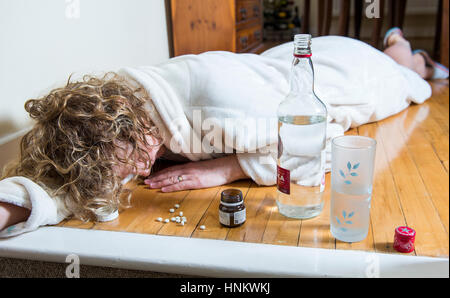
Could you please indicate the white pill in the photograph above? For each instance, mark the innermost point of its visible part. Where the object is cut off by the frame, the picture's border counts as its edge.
(177, 206)
(177, 217)
(181, 213)
(184, 219)
(182, 223)
(159, 219)
(172, 210)
(173, 219)
(202, 227)
(166, 220)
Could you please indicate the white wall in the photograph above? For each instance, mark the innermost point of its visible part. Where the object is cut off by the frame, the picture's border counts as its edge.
(43, 41)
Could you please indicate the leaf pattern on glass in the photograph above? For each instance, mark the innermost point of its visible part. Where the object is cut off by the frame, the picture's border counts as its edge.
(349, 172)
(338, 221)
(345, 220)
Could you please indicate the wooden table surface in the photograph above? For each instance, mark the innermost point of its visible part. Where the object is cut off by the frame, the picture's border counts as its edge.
(411, 187)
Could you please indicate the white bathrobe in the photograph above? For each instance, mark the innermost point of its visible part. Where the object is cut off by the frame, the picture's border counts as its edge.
(358, 84)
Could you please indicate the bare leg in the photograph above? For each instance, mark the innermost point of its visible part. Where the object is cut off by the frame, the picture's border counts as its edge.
(399, 49)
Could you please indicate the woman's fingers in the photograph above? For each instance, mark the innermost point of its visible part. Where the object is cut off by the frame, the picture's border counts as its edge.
(168, 181)
(184, 185)
(160, 176)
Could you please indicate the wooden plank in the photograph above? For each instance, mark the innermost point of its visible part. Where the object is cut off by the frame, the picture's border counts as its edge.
(418, 208)
(438, 113)
(193, 207)
(385, 213)
(62, 223)
(315, 232)
(147, 205)
(440, 91)
(433, 119)
(259, 204)
(281, 230)
(434, 133)
(214, 230)
(434, 175)
(153, 205)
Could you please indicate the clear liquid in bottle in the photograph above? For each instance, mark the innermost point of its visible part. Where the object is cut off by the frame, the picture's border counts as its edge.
(301, 165)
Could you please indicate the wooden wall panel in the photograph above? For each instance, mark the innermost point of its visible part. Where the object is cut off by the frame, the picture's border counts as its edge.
(203, 25)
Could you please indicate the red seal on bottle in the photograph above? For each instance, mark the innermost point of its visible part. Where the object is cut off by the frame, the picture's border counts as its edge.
(404, 239)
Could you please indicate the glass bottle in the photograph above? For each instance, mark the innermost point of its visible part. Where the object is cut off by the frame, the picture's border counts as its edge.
(302, 122)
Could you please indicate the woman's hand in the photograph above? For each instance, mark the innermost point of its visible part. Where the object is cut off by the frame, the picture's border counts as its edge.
(200, 174)
(12, 214)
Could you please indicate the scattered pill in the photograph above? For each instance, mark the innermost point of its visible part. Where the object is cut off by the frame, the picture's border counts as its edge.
(159, 219)
(166, 220)
(178, 220)
(181, 213)
(202, 227)
(172, 210)
(182, 223)
(184, 219)
(173, 219)
(177, 206)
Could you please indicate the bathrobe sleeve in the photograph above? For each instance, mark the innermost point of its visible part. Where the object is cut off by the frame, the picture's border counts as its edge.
(23, 192)
(260, 167)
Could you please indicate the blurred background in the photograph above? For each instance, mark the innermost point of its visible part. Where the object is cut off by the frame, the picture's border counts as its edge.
(42, 42)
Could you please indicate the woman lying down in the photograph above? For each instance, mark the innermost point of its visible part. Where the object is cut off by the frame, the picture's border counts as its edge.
(91, 134)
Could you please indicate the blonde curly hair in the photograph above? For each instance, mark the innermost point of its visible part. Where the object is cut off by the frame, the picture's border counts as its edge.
(73, 147)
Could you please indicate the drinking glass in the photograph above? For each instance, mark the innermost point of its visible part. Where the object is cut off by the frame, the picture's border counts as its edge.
(352, 166)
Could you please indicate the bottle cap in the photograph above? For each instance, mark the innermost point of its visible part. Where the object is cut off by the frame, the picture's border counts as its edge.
(302, 45)
(231, 196)
(404, 239)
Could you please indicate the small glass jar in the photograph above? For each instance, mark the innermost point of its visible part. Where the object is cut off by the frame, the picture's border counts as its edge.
(232, 211)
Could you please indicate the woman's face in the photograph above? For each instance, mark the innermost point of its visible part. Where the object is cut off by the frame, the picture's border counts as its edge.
(143, 167)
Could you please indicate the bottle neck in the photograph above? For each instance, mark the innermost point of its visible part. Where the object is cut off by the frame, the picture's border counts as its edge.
(302, 73)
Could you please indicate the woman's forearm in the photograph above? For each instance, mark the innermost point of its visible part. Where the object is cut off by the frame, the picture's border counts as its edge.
(11, 214)
(236, 171)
